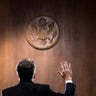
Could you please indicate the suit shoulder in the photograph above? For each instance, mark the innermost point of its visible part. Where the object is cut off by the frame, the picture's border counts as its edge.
(43, 89)
(42, 85)
(9, 89)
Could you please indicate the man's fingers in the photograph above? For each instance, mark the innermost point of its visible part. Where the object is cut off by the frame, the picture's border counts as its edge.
(60, 73)
(62, 65)
(69, 65)
(66, 65)
(66, 71)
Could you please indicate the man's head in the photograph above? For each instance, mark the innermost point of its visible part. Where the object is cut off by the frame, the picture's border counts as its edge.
(25, 69)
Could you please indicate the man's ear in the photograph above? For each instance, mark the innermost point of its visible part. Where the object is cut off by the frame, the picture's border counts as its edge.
(33, 78)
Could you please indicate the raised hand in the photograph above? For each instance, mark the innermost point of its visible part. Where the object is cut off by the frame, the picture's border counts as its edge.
(66, 72)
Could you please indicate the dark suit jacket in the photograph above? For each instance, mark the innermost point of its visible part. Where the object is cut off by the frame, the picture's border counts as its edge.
(28, 88)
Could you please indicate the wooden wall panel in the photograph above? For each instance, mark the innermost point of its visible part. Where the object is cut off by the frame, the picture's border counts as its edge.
(77, 42)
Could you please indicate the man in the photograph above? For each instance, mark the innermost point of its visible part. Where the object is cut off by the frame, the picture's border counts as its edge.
(26, 87)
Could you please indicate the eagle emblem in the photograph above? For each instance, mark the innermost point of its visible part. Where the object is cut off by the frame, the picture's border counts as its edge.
(42, 32)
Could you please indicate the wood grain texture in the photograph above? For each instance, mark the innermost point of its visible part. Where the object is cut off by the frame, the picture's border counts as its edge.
(77, 42)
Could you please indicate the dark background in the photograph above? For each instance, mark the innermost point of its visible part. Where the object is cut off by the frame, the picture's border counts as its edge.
(77, 22)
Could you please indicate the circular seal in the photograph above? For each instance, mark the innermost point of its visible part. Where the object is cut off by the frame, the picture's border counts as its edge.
(42, 32)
